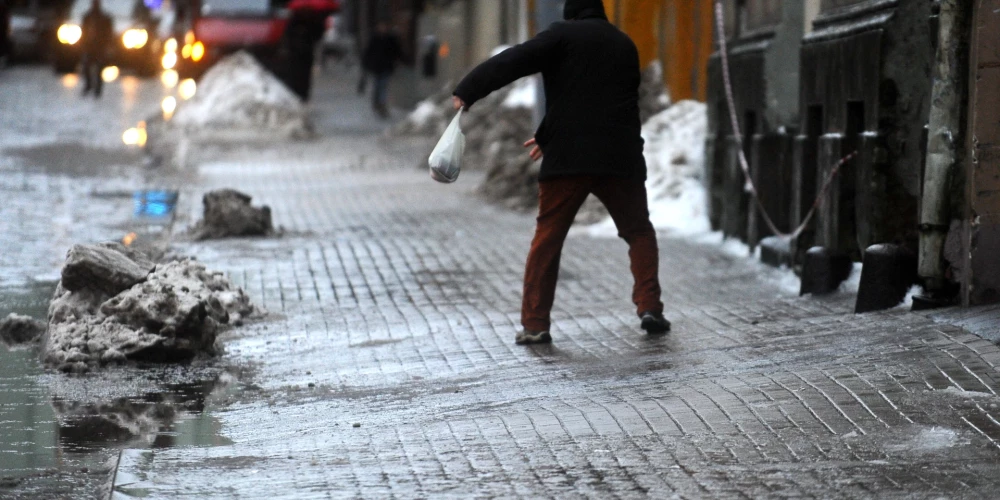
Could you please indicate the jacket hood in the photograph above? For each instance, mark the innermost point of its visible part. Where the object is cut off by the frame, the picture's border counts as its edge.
(584, 9)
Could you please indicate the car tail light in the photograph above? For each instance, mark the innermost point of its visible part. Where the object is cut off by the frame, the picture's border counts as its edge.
(197, 51)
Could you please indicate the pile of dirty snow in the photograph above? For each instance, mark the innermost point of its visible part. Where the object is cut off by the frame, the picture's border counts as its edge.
(653, 97)
(429, 118)
(16, 330)
(497, 120)
(113, 304)
(228, 213)
(674, 151)
(239, 95)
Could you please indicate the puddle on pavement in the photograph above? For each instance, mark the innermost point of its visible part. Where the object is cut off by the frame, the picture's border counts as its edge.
(60, 435)
(73, 159)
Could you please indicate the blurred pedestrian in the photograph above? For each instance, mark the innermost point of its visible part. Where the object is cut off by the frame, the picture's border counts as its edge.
(4, 32)
(96, 41)
(384, 50)
(305, 29)
(591, 142)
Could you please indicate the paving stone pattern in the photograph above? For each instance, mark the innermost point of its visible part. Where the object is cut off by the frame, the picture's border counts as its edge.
(398, 299)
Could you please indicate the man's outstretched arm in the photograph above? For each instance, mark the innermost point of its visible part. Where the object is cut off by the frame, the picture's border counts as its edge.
(503, 69)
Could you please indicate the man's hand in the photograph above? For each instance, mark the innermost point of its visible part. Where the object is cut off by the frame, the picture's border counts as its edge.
(458, 102)
(536, 151)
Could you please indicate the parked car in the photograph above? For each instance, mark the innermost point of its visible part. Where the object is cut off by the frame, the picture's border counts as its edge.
(135, 25)
(32, 27)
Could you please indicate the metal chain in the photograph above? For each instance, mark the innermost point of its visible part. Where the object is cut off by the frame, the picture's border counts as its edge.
(744, 165)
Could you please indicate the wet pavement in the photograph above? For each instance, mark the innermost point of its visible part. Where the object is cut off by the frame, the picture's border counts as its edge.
(66, 177)
(387, 367)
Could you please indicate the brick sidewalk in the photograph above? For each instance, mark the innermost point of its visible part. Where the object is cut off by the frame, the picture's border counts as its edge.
(398, 299)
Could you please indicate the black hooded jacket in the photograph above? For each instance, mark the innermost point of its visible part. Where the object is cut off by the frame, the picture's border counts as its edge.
(382, 53)
(591, 74)
(98, 33)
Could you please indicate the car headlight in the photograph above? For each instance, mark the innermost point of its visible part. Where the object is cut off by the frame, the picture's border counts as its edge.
(69, 34)
(169, 60)
(135, 38)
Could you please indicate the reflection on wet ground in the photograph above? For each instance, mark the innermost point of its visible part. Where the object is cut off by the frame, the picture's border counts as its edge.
(74, 160)
(170, 416)
(66, 178)
(154, 203)
(63, 435)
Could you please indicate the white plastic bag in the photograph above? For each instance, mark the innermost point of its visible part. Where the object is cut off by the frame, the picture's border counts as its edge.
(446, 159)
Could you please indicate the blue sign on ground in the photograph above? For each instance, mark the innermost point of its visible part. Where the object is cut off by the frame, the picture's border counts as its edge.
(154, 203)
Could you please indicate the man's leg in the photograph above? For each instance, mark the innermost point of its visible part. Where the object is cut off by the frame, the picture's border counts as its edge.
(626, 201)
(558, 201)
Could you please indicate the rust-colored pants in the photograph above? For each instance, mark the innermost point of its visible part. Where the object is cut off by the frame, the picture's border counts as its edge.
(558, 202)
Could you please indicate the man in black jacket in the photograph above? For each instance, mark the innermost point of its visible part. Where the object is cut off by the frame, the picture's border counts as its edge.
(96, 41)
(592, 143)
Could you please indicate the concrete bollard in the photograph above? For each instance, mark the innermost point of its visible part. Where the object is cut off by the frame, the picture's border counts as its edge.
(775, 251)
(823, 271)
(888, 273)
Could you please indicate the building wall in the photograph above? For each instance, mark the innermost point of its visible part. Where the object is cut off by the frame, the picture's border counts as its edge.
(782, 63)
(983, 235)
(867, 78)
(764, 40)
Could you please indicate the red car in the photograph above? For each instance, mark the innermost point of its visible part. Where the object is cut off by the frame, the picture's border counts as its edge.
(221, 27)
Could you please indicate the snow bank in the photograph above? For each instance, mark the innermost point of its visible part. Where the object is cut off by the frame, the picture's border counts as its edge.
(494, 128)
(240, 95)
(653, 97)
(675, 144)
(172, 313)
(425, 112)
(523, 95)
(429, 118)
(16, 329)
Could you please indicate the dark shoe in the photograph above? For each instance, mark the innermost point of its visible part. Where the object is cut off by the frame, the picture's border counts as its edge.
(526, 336)
(654, 323)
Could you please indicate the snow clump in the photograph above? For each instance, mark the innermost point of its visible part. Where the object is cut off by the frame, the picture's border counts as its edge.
(228, 213)
(239, 95)
(171, 313)
(675, 158)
